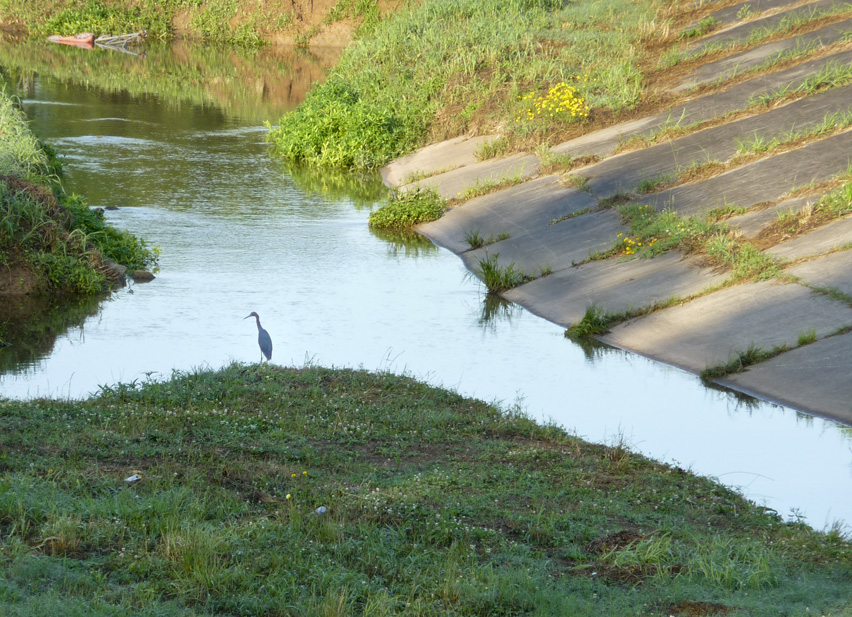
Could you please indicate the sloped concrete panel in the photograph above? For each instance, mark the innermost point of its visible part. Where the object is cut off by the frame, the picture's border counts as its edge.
(614, 285)
(710, 330)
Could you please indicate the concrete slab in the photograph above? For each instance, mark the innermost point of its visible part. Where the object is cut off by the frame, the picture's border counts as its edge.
(516, 211)
(764, 180)
(615, 285)
(625, 172)
(434, 158)
(729, 67)
(753, 222)
(740, 33)
(817, 242)
(708, 107)
(814, 378)
(833, 271)
(453, 184)
(710, 330)
(555, 246)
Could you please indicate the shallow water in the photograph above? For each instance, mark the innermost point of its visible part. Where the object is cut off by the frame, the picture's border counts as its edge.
(238, 233)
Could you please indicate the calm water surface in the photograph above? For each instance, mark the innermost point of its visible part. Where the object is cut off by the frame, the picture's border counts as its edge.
(240, 234)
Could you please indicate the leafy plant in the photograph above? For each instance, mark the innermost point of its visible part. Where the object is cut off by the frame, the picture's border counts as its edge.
(498, 278)
(337, 127)
(408, 209)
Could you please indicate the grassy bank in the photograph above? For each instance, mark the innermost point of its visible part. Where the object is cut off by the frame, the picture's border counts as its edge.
(51, 241)
(271, 491)
(442, 68)
(245, 23)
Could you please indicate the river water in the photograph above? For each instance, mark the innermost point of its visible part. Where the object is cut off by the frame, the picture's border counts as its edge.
(240, 233)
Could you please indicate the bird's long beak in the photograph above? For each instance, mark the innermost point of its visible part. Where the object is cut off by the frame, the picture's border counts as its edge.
(247, 316)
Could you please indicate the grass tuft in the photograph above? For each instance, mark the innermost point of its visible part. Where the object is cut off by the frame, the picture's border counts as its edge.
(498, 278)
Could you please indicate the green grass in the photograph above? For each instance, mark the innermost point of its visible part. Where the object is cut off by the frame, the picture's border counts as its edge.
(498, 278)
(435, 504)
(211, 20)
(484, 187)
(741, 360)
(101, 18)
(493, 149)
(475, 240)
(21, 153)
(807, 337)
(745, 260)
(706, 25)
(55, 237)
(653, 233)
(408, 209)
(759, 145)
(832, 75)
(595, 321)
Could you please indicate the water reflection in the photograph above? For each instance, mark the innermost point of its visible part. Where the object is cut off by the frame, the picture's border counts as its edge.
(362, 189)
(255, 85)
(29, 327)
(741, 400)
(496, 309)
(407, 244)
(592, 349)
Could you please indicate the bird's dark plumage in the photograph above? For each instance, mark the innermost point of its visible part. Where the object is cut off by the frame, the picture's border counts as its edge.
(263, 338)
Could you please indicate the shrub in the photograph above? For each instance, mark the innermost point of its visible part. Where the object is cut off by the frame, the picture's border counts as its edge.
(336, 128)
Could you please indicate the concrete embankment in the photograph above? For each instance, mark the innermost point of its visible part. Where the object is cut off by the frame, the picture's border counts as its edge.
(680, 309)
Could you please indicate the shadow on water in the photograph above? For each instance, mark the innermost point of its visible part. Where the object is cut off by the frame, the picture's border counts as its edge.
(29, 326)
(256, 85)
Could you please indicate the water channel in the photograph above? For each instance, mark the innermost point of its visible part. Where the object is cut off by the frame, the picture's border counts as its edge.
(187, 168)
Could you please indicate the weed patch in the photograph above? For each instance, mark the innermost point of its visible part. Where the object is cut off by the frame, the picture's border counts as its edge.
(833, 205)
(408, 209)
(484, 187)
(741, 360)
(475, 240)
(498, 278)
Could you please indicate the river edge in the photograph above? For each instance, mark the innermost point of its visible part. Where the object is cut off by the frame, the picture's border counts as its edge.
(769, 313)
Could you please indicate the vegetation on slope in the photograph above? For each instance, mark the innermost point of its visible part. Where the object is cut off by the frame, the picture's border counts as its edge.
(446, 67)
(51, 241)
(258, 490)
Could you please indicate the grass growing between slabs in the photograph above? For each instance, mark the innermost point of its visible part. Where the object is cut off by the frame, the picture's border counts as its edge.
(432, 504)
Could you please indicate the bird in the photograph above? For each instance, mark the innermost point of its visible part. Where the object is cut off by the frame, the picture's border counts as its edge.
(263, 338)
